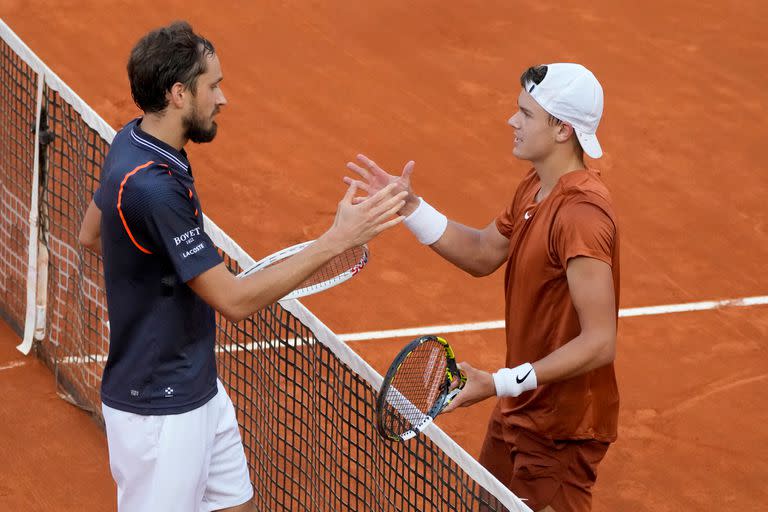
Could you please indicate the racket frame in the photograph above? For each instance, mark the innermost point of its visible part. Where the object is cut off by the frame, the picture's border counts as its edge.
(452, 373)
(315, 288)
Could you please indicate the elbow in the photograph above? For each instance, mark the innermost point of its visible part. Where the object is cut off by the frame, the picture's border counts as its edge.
(609, 357)
(483, 265)
(474, 272)
(87, 240)
(236, 309)
(224, 293)
(233, 318)
(601, 351)
(607, 353)
(225, 304)
(479, 270)
(233, 313)
(89, 243)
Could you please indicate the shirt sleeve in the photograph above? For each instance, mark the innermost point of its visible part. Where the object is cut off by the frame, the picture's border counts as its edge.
(97, 198)
(505, 221)
(583, 229)
(167, 219)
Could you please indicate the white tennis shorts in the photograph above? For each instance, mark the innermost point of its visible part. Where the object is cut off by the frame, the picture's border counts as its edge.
(190, 462)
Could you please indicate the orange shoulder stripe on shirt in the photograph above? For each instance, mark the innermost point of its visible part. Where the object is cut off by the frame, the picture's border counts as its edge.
(120, 211)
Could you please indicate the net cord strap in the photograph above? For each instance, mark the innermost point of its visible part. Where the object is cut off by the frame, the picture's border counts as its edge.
(225, 243)
(34, 225)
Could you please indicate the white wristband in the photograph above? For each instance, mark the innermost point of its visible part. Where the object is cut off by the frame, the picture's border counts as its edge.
(426, 223)
(514, 381)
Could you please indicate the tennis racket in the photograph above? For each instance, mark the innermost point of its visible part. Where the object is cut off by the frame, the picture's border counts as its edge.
(335, 271)
(421, 381)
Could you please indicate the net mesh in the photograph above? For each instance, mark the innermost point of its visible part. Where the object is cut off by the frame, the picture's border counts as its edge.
(78, 331)
(18, 89)
(307, 417)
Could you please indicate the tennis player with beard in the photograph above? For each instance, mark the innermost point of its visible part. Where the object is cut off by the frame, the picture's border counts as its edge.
(174, 442)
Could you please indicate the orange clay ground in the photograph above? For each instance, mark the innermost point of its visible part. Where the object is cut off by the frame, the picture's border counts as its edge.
(310, 84)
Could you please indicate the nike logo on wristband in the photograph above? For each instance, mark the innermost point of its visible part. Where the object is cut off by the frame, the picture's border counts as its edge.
(519, 380)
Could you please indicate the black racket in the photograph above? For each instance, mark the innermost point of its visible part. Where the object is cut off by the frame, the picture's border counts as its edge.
(421, 381)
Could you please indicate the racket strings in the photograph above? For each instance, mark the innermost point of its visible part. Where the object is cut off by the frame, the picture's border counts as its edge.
(334, 271)
(417, 390)
(348, 260)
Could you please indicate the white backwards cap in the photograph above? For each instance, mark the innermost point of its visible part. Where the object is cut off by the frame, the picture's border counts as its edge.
(571, 93)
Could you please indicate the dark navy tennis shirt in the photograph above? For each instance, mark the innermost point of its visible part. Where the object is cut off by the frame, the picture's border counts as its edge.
(161, 353)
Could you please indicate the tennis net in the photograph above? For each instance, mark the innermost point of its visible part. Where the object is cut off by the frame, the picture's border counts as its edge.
(304, 399)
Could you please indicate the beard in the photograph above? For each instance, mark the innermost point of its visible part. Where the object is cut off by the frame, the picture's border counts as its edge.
(196, 130)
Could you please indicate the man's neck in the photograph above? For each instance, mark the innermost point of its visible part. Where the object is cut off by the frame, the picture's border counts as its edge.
(552, 168)
(165, 129)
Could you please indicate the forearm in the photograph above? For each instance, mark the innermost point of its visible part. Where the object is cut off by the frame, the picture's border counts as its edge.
(465, 247)
(582, 354)
(478, 252)
(269, 285)
(239, 298)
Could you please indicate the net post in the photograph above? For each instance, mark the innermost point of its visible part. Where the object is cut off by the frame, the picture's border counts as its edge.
(32, 262)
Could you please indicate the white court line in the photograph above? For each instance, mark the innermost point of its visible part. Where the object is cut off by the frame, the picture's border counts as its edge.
(231, 347)
(12, 364)
(477, 326)
(499, 324)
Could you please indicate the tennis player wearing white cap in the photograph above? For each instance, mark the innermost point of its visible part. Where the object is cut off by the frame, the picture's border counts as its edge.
(558, 401)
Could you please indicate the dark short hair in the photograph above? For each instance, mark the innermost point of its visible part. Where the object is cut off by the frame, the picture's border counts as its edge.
(533, 74)
(163, 57)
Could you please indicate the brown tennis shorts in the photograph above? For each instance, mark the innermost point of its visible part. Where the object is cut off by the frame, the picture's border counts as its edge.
(544, 472)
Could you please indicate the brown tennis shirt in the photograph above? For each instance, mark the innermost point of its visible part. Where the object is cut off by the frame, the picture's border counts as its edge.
(575, 219)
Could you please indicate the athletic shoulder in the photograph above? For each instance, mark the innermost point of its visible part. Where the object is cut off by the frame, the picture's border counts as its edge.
(149, 186)
(587, 188)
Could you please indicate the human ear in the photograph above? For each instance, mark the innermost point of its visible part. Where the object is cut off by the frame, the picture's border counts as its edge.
(564, 131)
(176, 95)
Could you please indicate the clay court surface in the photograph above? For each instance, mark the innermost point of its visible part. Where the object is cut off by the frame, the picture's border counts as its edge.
(310, 84)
